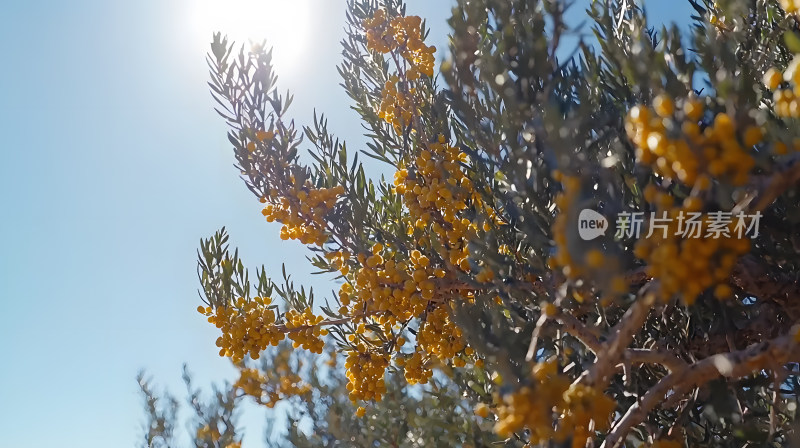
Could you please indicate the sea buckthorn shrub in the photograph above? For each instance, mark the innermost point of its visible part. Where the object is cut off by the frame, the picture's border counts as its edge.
(596, 242)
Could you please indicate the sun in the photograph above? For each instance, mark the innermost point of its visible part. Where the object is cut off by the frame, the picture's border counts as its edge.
(284, 24)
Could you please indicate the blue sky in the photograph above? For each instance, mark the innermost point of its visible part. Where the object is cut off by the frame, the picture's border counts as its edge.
(113, 165)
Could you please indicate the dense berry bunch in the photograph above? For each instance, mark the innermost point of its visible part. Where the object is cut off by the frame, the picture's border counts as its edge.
(417, 369)
(685, 258)
(384, 286)
(676, 146)
(786, 89)
(365, 372)
(439, 336)
(392, 291)
(438, 194)
(388, 287)
(305, 330)
(247, 327)
(397, 104)
(301, 211)
(578, 409)
(404, 35)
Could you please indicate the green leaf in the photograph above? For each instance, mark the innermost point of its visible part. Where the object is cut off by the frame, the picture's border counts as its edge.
(792, 41)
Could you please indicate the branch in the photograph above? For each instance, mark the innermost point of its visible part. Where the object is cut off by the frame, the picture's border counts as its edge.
(579, 331)
(571, 324)
(768, 188)
(662, 357)
(731, 365)
(623, 334)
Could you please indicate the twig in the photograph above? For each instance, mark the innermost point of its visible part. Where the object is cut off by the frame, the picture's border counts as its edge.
(535, 337)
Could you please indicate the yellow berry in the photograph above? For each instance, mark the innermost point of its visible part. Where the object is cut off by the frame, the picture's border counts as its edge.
(772, 78)
(722, 291)
(663, 106)
(482, 410)
(693, 108)
(595, 258)
(753, 135)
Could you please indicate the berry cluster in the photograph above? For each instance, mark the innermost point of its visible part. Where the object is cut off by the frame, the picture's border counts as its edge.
(785, 96)
(676, 146)
(576, 408)
(402, 34)
(417, 370)
(305, 330)
(365, 373)
(684, 262)
(437, 193)
(268, 391)
(439, 336)
(397, 105)
(338, 260)
(248, 327)
(301, 211)
(585, 410)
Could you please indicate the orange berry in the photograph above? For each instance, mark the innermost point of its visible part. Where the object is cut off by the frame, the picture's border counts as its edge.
(772, 78)
(663, 106)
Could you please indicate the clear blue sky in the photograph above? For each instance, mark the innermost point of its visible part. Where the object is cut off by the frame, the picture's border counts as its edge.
(113, 165)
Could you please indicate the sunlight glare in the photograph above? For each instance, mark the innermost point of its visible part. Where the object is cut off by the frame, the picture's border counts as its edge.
(284, 24)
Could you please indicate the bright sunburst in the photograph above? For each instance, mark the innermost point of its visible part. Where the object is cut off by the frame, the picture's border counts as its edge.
(283, 23)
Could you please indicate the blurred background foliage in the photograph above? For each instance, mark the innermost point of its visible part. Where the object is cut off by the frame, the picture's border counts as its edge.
(409, 416)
